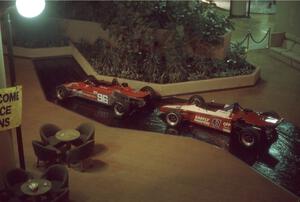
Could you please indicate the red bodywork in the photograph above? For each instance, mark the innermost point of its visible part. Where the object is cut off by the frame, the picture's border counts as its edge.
(219, 116)
(105, 92)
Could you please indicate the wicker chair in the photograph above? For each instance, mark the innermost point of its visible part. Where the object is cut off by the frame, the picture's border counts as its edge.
(80, 154)
(58, 176)
(62, 196)
(47, 133)
(46, 153)
(87, 133)
(13, 181)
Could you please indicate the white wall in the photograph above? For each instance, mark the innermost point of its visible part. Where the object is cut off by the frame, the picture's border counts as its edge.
(288, 17)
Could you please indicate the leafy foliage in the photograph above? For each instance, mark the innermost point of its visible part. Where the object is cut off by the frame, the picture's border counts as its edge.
(154, 67)
(197, 18)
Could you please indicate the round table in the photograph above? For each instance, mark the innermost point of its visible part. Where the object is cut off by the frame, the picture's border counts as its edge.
(43, 187)
(67, 135)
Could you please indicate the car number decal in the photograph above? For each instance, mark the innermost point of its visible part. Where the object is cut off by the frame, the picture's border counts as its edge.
(216, 123)
(102, 98)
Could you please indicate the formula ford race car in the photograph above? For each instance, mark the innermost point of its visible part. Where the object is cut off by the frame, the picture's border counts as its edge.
(123, 98)
(250, 129)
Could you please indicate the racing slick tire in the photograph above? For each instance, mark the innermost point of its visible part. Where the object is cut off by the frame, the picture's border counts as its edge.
(120, 110)
(124, 84)
(271, 114)
(61, 92)
(173, 118)
(150, 90)
(249, 138)
(197, 100)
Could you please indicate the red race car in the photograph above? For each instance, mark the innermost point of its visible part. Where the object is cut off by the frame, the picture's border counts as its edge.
(249, 128)
(123, 98)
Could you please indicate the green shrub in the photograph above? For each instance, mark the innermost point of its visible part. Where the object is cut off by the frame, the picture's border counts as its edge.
(154, 67)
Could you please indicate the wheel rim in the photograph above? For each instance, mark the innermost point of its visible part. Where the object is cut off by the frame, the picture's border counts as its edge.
(119, 109)
(172, 119)
(247, 139)
(60, 93)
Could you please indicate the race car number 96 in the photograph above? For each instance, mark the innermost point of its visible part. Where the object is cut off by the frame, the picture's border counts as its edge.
(102, 98)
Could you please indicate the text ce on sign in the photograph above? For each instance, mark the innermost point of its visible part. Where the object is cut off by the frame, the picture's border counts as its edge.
(10, 107)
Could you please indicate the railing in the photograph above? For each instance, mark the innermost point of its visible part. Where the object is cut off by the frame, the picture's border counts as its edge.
(251, 43)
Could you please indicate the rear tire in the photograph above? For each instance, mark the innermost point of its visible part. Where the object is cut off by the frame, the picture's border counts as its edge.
(61, 92)
(271, 114)
(173, 118)
(150, 90)
(249, 138)
(125, 85)
(196, 100)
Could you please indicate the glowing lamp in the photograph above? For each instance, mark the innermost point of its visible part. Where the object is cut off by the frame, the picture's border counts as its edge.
(30, 8)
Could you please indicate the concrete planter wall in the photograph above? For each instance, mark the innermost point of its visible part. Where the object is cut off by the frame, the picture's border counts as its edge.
(164, 89)
(42, 52)
(219, 51)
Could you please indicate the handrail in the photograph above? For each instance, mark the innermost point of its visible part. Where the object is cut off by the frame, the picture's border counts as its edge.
(249, 36)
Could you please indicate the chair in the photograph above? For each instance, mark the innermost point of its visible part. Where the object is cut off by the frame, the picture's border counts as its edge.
(14, 179)
(80, 154)
(58, 176)
(47, 133)
(87, 132)
(46, 153)
(62, 196)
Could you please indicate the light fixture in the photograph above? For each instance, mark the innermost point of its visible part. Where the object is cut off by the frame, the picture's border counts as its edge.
(30, 8)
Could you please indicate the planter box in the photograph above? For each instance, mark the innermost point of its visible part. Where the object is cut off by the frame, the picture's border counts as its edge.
(41, 52)
(163, 89)
(177, 88)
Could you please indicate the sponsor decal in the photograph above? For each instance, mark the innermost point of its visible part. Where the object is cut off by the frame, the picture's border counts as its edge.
(201, 119)
(10, 107)
(226, 124)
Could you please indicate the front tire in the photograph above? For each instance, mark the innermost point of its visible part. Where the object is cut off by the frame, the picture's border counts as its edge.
(196, 100)
(120, 110)
(173, 118)
(61, 92)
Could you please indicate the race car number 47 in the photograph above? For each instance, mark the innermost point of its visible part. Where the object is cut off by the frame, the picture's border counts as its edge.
(102, 98)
